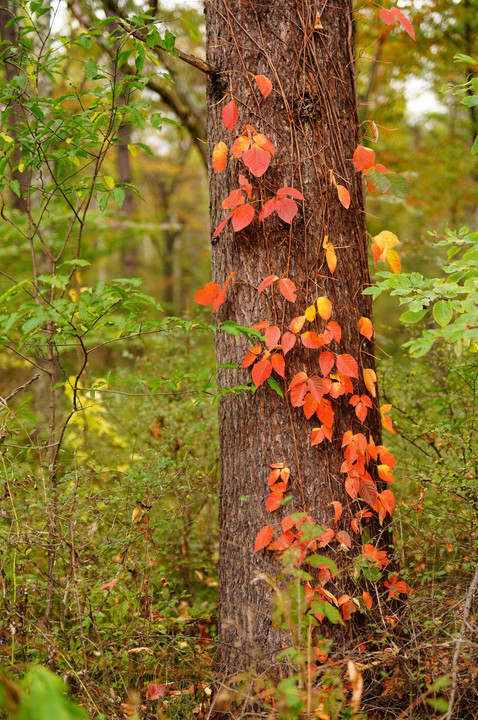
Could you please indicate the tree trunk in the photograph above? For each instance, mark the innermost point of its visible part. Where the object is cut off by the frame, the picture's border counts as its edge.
(311, 117)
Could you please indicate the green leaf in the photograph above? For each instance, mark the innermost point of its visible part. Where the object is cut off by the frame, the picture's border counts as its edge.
(470, 101)
(90, 69)
(442, 312)
(413, 317)
(474, 147)
(398, 185)
(119, 196)
(439, 704)
(459, 57)
(275, 386)
(31, 324)
(333, 614)
(316, 560)
(379, 180)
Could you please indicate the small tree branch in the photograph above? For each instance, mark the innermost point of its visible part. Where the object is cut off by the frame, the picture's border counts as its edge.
(22, 387)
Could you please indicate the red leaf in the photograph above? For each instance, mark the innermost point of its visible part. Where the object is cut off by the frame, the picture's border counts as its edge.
(153, 692)
(368, 490)
(335, 329)
(261, 371)
(318, 436)
(267, 209)
(364, 158)
(326, 362)
(221, 225)
(326, 537)
(287, 523)
(285, 540)
(288, 342)
(316, 387)
(347, 365)
(286, 209)
(230, 115)
(272, 335)
(404, 21)
(386, 16)
(264, 143)
(266, 282)
(310, 405)
(207, 294)
(246, 185)
(337, 510)
(257, 160)
(274, 501)
(264, 536)
(242, 217)
(367, 598)
(278, 363)
(290, 191)
(344, 538)
(109, 584)
(234, 199)
(388, 501)
(388, 459)
(264, 85)
(221, 296)
(344, 196)
(248, 360)
(273, 477)
(288, 289)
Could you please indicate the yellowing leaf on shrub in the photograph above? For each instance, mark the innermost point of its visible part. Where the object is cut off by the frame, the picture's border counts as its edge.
(383, 242)
(393, 261)
(310, 313)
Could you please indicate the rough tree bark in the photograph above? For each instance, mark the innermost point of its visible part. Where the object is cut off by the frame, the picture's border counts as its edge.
(311, 117)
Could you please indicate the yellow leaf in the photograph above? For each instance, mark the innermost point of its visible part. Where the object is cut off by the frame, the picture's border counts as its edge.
(393, 261)
(109, 182)
(324, 307)
(310, 313)
(331, 258)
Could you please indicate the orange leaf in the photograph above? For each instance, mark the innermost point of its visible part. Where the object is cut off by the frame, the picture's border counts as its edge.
(326, 537)
(344, 538)
(370, 378)
(393, 261)
(287, 523)
(288, 289)
(364, 158)
(264, 143)
(388, 501)
(285, 540)
(344, 196)
(385, 472)
(274, 501)
(261, 371)
(366, 327)
(311, 340)
(337, 510)
(331, 257)
(240, 145)
(297, 324)
(266, 282)
(347, 365)
(324, 307)
(278, 363)
(207, 294)
(109, 584)
(368, 490)
(257, 160)
(219, 157)
(367, 598)
(326, 362)
(242, 217)
(264, 85)
(230, 115)
(264, 536)
(221, 296)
